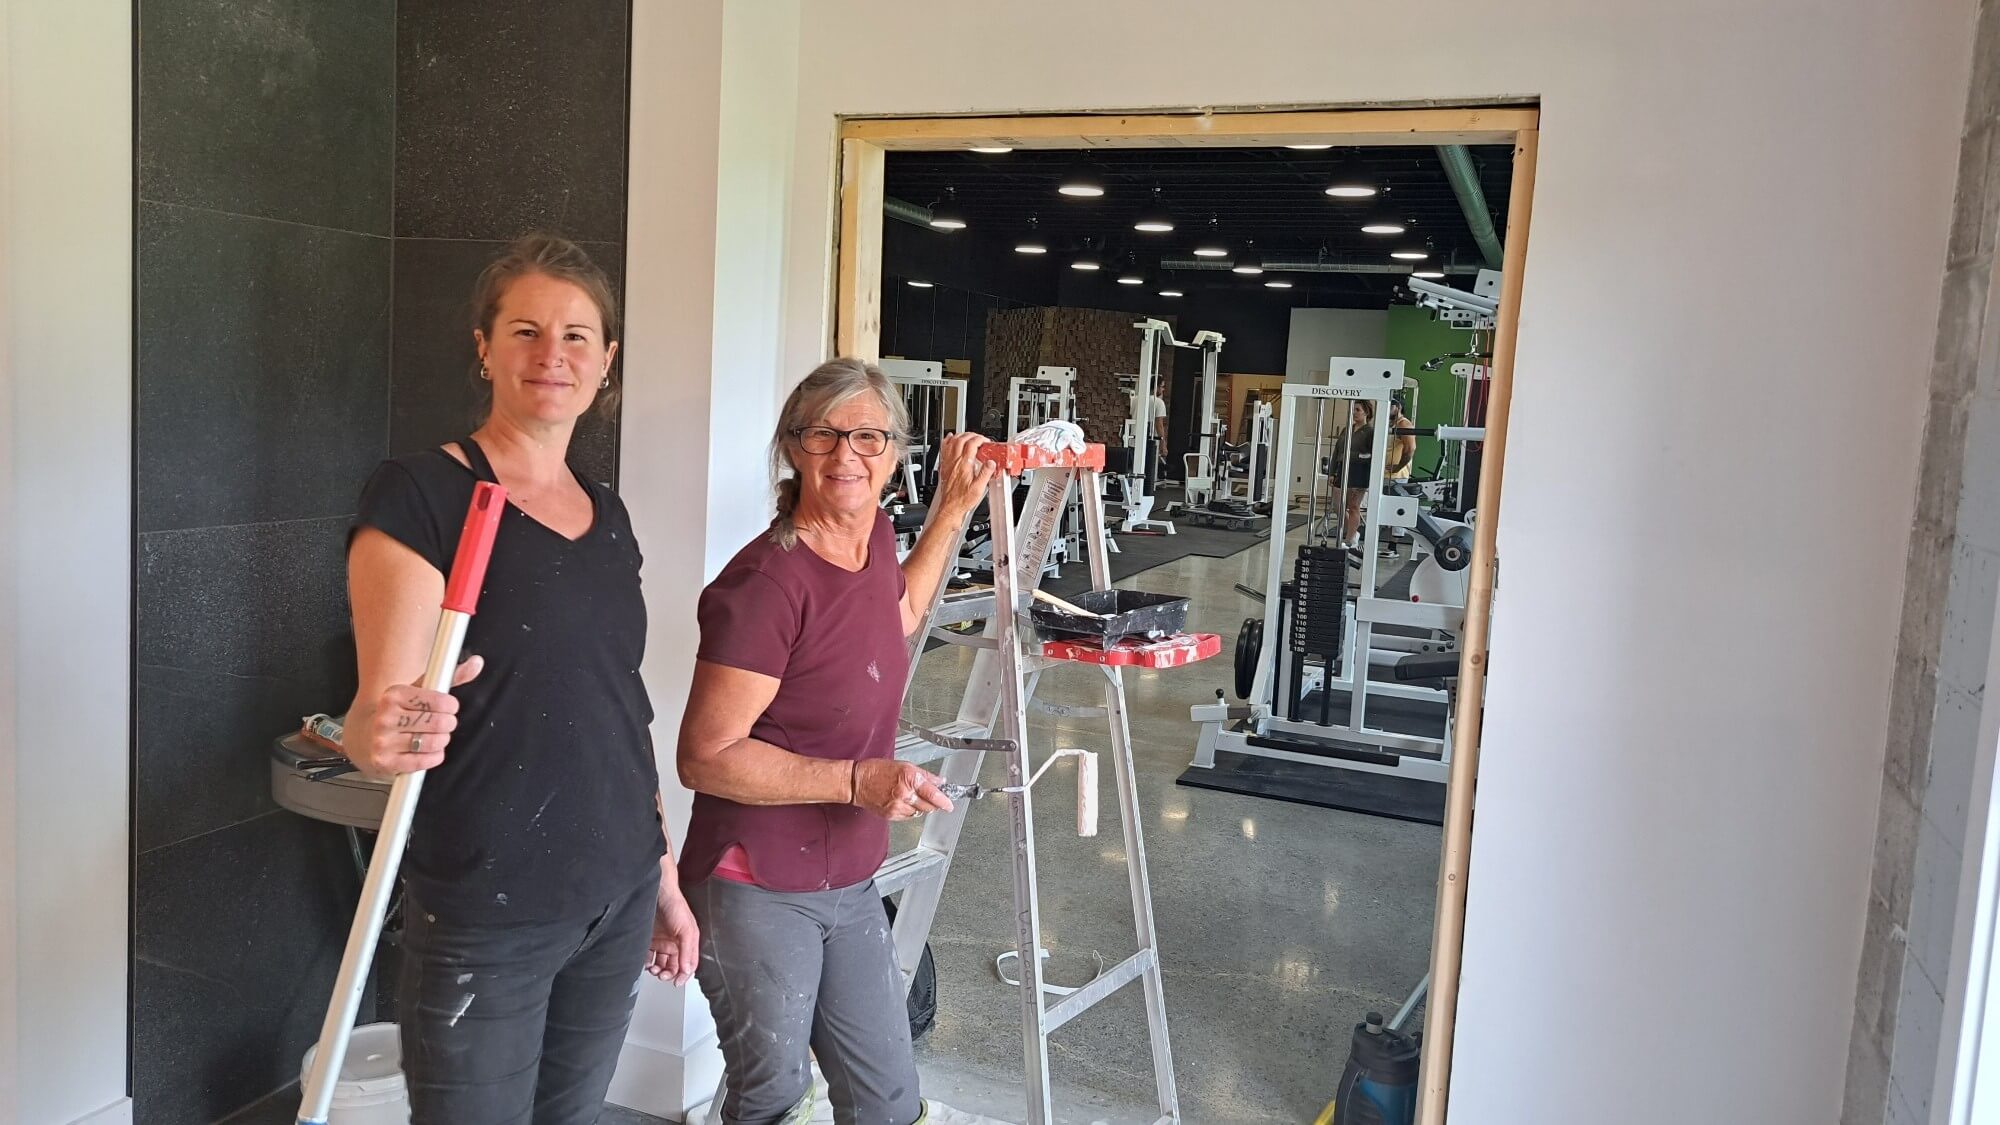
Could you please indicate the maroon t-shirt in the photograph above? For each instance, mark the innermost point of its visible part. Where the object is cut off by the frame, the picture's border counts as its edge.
(834, 640)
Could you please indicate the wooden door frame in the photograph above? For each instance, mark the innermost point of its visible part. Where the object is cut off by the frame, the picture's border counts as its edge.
(865, 143)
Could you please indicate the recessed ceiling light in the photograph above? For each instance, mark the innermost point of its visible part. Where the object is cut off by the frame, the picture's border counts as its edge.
(1430, 273)
(1277, 285)
(1080, 182)
(991, 150)
(946, 215)
(1211, 244)
(1172, 293)
(1350, 179)
(1310, 148)
(1383, 226)
(1131, 279)
(1247, 267)
(915, 284)
(1411, 255)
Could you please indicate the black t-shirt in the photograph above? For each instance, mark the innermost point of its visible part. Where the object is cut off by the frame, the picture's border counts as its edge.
(543, 807)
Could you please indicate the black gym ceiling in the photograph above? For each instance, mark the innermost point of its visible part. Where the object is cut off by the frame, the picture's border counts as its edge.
(1264, 202)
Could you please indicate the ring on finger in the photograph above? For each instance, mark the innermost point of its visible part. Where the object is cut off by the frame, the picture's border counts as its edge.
(416, 744)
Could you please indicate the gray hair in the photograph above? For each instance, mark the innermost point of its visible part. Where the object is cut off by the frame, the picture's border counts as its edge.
(831, 385)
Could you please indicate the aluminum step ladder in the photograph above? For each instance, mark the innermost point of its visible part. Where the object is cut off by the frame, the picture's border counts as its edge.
(993, 718)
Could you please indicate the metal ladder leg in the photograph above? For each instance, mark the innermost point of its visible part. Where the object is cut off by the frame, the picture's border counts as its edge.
(1012, 724)
(1125, 777)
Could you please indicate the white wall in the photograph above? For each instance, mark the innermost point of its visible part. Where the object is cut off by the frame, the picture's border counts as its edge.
(65, 556)
(1317, 334)
(713, 98)
(1674, 827)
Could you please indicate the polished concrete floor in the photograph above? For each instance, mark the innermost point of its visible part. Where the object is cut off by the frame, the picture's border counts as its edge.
(1280, 924)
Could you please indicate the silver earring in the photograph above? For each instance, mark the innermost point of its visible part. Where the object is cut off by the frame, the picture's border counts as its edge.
(606, 384)
(483, 374)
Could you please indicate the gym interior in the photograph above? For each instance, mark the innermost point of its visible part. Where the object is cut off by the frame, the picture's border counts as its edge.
(1295, 845)
(1716, 767)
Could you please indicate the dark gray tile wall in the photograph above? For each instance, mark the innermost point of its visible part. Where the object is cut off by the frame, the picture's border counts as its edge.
(479, 162)
(510, 118)
(266, 166)
(236, 964)
(280, 109)
(266, 367)
(320, 182)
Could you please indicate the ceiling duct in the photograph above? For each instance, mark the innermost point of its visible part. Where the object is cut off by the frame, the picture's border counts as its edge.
(1279, 264)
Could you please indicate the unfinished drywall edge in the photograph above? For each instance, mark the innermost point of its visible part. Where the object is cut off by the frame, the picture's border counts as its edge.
(1892, 1065)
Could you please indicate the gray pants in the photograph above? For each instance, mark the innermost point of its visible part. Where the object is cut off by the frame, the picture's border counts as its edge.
(787, 972)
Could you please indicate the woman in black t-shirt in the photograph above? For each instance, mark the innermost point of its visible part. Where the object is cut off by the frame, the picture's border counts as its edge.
(538, 881)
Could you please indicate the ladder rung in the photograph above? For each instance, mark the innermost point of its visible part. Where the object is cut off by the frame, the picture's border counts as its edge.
(1118, 976)
(970, 606)
(910, 748)
(899, 871)
(963, 640)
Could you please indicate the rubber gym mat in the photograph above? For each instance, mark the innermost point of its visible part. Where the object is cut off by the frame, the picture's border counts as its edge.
(1372, 794)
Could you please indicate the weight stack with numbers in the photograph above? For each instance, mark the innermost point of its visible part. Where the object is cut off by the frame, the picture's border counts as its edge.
(1319, 609)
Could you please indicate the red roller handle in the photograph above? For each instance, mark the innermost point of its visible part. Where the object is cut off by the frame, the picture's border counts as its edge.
(475, 547)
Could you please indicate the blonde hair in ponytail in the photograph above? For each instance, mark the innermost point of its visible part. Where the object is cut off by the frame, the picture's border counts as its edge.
(830, 386)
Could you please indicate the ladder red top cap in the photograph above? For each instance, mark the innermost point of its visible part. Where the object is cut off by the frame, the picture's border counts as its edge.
(1015, 458)
(475, 547)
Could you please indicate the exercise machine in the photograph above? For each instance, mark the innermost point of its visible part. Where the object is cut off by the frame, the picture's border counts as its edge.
(1049, 395)
(1134, 495)
(936, 406)
(1316, 672)
(1199, 465)
(1454, 480)
(1242, 485)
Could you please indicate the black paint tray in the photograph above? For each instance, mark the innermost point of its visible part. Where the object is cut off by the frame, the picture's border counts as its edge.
(1127, 613)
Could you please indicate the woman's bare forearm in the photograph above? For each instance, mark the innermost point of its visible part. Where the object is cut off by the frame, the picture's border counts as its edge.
(752, 772)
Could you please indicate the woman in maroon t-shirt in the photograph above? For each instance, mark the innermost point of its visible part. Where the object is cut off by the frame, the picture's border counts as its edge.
(789, 743)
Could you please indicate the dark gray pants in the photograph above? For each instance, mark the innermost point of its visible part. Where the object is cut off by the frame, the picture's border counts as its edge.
(519, 1023)
(793, 976)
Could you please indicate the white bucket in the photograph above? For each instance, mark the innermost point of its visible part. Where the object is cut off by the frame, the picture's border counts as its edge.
(370, 1088)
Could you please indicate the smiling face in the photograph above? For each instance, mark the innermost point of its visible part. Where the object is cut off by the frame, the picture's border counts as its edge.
(545, 352)
(843, 483)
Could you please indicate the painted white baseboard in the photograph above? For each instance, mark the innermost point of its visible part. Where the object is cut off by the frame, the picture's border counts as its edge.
(117, 1113)
(658, 1081)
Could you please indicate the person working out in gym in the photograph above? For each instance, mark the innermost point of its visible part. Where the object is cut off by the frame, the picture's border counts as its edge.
(1402, 451)
(789, 744)
(1156, 410)
(1401, 455)
(1360, 443)
(537, 872)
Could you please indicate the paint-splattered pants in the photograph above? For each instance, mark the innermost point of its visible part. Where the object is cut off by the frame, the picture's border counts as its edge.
(788, 972)
(519, 1024)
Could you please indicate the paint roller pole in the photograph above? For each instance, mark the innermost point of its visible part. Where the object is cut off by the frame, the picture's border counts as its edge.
(461, 598)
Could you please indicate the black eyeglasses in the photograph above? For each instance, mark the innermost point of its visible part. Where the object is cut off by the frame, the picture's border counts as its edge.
(823, 439)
